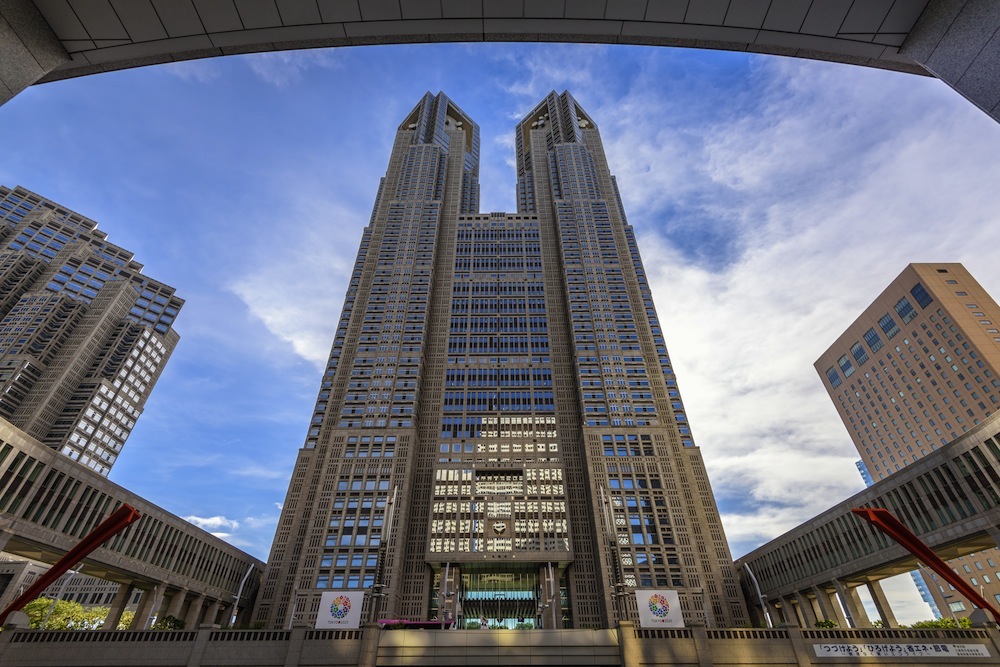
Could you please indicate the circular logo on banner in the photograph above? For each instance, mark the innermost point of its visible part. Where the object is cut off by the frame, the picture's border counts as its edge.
(341, 606)
(658, 605)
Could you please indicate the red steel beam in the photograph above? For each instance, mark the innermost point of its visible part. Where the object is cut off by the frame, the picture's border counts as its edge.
(114, 524)
(891, 526)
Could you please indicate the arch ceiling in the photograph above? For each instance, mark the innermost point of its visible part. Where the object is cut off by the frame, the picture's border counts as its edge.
(102, 35)
(958, 41)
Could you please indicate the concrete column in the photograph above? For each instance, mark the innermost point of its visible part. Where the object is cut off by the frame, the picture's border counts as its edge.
(700, 635)
(958, 42)
(856, 615)
(200, 644)
(882, 604)
(825, 608)
(212, 614)
(792, 614)
(29, 49)
(118, 606)
(176, 604)
(368, 654)
(802, 655)
(774, 614)
(193, 617)
(806, 609)
(838, 613)
(149, 604)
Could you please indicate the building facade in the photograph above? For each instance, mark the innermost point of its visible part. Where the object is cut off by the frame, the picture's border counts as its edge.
(917, 369)
(499, 434)
(84, 335)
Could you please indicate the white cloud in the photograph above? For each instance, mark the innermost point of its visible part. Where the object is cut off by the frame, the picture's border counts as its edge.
(199, 71)
(831, 183)
(282, 68)
(213, 523)
(297, 281)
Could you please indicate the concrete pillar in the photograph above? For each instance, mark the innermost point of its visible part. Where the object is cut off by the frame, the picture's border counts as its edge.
(958, 42)
(368, 654)
(192, 619)
(825, 608)
(149, 604)
(28, 48)
(700, 635)
(856, 615)
(118, 606)
(176, 604)
(792, 612)
(806, 609)
(212, 614)
(838, 613)
(774, 613)
(882, 604)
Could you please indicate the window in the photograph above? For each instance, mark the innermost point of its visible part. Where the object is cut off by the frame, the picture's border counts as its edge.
(833, 376)
(846, 366)
(873, 340)
(888, 325)
(859, 353)
(957, 606)
(920, 294)
(905, 310)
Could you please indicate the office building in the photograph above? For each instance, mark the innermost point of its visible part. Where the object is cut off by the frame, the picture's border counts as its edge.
(499, 433)
(84, 335)
(917, 369)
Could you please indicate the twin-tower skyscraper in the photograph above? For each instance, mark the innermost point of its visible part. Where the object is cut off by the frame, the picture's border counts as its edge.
(499, 433)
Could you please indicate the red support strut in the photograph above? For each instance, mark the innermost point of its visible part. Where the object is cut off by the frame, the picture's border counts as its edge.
(891, 526)
(114, 524)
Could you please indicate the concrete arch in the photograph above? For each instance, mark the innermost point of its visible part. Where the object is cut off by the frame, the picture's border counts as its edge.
(955, 40)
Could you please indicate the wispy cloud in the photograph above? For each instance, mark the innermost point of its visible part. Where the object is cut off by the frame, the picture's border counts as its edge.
(197, 71)
(282, 68)
(213, 523)
(827, 193)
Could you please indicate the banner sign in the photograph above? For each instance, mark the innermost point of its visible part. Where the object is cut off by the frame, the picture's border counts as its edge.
(901, 650)
(659, 609)
(340, 610)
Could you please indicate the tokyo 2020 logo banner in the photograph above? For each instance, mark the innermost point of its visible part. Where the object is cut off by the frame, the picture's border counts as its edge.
(340, 610)
(659, 609)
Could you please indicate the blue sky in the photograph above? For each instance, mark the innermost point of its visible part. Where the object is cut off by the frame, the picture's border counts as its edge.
(773, 199)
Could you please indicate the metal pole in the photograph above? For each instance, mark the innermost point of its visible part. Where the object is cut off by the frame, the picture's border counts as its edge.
(760, 596)
(239, 593)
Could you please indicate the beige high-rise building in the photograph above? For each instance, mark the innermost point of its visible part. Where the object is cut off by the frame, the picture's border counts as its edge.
(499, 433)
(84, 334)
(917, 369)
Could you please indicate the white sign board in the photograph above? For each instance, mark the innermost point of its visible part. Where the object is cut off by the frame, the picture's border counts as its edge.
(659, 609)
(901, 650)
(340, 610)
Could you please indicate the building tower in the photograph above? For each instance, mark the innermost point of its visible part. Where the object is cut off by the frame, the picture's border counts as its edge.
(505, 378)
(84, 335)
(918, 368)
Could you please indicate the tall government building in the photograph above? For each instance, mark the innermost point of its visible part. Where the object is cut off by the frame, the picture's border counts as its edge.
(917, 369)
(84, 334)
(499, 412)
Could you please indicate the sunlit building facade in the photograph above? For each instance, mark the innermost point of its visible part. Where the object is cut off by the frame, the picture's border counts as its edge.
(499, 433)
(919, 367)
(84, 334)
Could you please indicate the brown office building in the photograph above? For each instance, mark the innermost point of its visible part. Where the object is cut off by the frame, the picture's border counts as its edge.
(505, 378)
(917, 369)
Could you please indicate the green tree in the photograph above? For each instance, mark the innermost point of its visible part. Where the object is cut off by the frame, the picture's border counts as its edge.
(825, 623)
(945, 623)
(126, 619)
(66, 615)
(168, 623)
